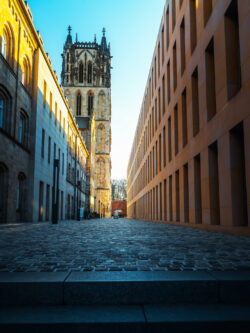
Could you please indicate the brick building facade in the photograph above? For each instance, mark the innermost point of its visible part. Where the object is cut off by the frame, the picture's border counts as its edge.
(36, 127)
(190, 160)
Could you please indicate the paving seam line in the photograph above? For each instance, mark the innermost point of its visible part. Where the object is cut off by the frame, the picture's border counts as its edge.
(63, 287)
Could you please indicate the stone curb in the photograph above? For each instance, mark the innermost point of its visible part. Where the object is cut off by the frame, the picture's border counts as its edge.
(82, 288)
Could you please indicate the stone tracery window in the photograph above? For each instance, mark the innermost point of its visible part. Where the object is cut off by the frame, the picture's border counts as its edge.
(81, 72)
(78, 104)
(90, 103)
(90, 72)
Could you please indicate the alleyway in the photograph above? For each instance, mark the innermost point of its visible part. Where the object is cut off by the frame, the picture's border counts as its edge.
(117, 245)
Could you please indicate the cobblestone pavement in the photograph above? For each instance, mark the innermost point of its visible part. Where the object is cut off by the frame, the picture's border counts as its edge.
(117, 245)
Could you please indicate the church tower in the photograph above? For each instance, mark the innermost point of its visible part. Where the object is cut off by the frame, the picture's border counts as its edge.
(86, 78)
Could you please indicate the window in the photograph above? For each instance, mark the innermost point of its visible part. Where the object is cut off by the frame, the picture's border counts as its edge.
(168, 81)
(50, 104)
(195, 102)
(23, 128)
(210, 81)
(232, 41)
(89, 72)
(90, 103)
(43, 139)
(8, 45)
(47, 202)
(55, 113)
(5, 109)
(78, 104)
(54, 151)
(20, 199)
(1, 112)
(162, 45)
(4, 45)
(183, 48)
(26, 73)
(41, 208)
(4, 177)
(167, 27)
(81, 72)
(174, 66)
(184, 117)
(49, 149)
(193, 33)
(207, 10)
(44, 93)
(173, 15)
(62, 163)
(60, 120)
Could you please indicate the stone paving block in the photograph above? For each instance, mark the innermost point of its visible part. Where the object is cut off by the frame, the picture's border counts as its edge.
(31, 288)
(125, 244)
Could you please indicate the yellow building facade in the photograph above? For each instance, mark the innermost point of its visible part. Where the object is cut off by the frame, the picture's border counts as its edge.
(37, 128)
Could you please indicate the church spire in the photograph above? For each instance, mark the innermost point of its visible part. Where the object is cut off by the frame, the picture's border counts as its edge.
(68, 42)
(104, 41)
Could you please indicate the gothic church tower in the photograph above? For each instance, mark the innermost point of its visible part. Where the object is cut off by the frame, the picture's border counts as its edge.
(86, 79)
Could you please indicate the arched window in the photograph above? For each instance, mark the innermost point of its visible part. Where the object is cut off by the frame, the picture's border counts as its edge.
(5, 109)
(21, 197)
(26, 73)
(4, 45)
(90, 103)
(78, 104)
(23, 129)
(4, 175)
(8, 45)
(90, 72)
(81, 72)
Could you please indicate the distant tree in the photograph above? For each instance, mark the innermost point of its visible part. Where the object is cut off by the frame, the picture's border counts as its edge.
(119, 189)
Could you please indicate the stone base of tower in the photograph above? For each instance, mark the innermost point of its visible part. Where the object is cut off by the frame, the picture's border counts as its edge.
(103, 202)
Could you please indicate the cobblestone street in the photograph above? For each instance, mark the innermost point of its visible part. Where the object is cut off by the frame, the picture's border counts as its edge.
(117, 245)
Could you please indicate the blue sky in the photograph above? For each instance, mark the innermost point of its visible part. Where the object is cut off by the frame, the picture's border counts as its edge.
(132, 28)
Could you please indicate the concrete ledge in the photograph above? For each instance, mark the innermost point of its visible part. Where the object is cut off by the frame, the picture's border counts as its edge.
(72, 319)
(139, 288)
(197, 318)
(149, 318)
(233, 286)
(117, 288)
(31, 288)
